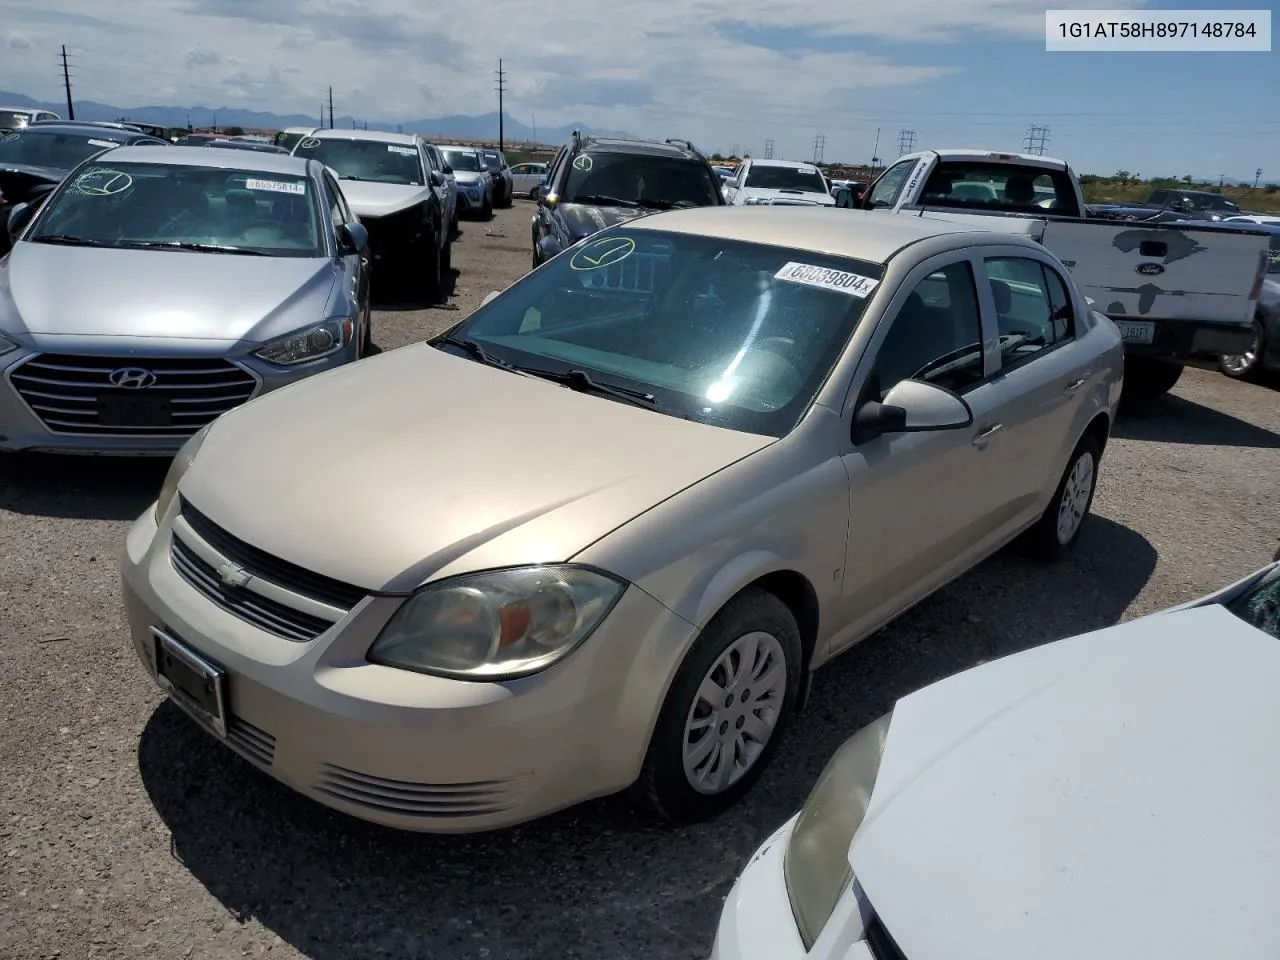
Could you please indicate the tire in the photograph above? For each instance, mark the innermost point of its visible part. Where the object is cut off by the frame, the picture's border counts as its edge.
(664, 790)
(486, 212)
(446, 262)
(1245, 366)
(454, 228)
(1149, 378)
(430, 283)
(1056, 532)
(367, 348)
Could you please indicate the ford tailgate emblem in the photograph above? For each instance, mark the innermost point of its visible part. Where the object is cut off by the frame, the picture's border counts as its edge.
(1149, 269)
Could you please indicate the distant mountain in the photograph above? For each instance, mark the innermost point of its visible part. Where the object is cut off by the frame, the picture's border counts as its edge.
(457, 127)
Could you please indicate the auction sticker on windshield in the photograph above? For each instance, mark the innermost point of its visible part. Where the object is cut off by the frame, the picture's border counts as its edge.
(826, 278)
(277, 186)
(396, 148)
(104, 143)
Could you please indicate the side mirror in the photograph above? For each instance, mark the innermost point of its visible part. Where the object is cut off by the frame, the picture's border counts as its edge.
(437, 178)
(911, 407)
(489, 296)
(353, 238)
(19, 217)
(448, 170)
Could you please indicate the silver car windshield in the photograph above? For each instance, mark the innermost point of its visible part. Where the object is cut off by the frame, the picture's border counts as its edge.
(61, 151)
(371, 160)
(740, 335)
(174, 206)
(463, 160)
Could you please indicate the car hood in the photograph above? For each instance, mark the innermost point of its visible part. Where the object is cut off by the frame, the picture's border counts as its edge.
(468, 177)
(49, 290)
(583, 219)
(790, 196)
(380, 199)
(1112, 795)
(417, 464)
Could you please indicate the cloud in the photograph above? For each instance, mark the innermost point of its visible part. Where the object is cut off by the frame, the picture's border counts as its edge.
(203, 57)
(19, 41)
(596, 91)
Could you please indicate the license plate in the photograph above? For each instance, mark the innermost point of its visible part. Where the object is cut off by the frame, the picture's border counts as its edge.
(195, 683)
(124, 410)
(1136, 331)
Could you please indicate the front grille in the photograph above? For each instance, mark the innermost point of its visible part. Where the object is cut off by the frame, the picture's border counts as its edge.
(259, 563)
(411, 799)
(264, 613)
(253, 742)
(74, 394)
(388, 233)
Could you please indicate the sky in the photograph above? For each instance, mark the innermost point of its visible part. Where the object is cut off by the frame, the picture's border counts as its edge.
(722, 73)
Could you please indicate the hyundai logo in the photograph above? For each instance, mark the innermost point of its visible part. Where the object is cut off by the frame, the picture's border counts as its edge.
(132, 378)
(1149, 269)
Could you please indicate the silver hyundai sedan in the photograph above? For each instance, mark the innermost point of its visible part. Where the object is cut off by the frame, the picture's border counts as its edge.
(608, 524)
(159, 287)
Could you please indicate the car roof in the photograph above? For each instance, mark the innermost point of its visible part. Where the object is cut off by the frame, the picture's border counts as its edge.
(987, 156)
(249, 160)
(373, 136)
(87, 129)
(789, 164)
(873, 236)
(457, 146)
(653, 148)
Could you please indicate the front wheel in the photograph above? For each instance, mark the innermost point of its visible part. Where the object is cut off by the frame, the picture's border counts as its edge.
(725, 712)
(431, 273)
(1242, 366)
(1055, 533)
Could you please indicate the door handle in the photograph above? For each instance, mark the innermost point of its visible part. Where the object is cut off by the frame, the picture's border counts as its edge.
(985, 435)
(1075, 385)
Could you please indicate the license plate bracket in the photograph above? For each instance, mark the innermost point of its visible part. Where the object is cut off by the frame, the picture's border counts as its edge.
(129, 410)
(1137, 331)
(195, 683)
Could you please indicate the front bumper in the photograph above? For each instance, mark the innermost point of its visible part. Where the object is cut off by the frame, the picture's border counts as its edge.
(23, 428)
(472, 198)
(756, 922)
(403, 749)
(1193, 343)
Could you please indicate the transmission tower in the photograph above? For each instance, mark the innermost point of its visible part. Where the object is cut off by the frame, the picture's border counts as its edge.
(736, 151)
(502, 87)
(66, 83)
(1036, 139)
(768, 149)
(906, 141)
(819, 143)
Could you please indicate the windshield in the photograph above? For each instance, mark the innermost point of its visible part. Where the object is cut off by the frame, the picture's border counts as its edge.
(61, 151)
(172, 205)
(785, 178)
(11, 119)
(493, 161)
(1205, 201)
(372, 160)
(1259, 606)
(603, 178)
(462, 160)
(288, 140)
(1000, 187)
(739, 335)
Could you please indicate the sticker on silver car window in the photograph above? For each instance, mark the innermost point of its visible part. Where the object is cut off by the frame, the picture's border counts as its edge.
(276, 186)
(826, 279)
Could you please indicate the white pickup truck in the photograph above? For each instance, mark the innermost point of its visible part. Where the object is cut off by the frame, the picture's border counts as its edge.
(1181, 295)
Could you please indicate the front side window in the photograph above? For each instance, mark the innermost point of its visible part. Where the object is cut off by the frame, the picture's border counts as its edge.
(48, 149)
(645, 180)
(936, 336)
(465, 160)
(180, 207)
(885, 192)
(370, 160)
(769, 177)
(739, 335)
(1024, 314)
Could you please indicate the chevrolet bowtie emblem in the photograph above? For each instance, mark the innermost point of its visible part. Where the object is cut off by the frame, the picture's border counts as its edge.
(232, 575)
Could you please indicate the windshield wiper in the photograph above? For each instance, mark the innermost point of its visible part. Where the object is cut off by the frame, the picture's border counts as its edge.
(474, 349)
(581, 381)
(666, 204)
(603, 200)
(68, 240)
(191, 245)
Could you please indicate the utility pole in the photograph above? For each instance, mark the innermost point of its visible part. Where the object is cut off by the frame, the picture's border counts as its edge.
(330, 108)
(819, 142)
(1035, 140)
(535, 129)
(66, 83)
(1257, 175)
(768, 149)
(906, 141)
(502, 86)
(875, 152)
(1222, 178)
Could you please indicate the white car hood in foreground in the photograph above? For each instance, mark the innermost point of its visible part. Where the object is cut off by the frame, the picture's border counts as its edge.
(379, 199)
(788, 196)
(1113, 795)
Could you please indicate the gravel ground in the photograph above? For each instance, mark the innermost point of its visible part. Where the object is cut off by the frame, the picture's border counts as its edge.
(126, 832)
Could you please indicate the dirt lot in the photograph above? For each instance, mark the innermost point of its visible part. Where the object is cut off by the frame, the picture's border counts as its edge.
(125, 832)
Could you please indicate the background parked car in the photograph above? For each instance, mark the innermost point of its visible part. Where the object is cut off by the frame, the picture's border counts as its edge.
(389, 182)
(503, 184)
(777, 183)
(527, 177)
(233, 144)
(475, 185)
(436, 158)
(14, 118)
(257, 254)
(34, 160)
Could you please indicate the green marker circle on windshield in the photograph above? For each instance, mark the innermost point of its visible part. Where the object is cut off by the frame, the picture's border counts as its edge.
(602, 253)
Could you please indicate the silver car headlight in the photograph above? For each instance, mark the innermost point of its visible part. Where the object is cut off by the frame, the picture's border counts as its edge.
(6, 345)
(310, 344)
(816, 861)
(497, 625)
(182, 461)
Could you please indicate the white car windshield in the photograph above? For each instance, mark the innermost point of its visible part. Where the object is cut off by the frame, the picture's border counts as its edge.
(372, 160)
(785, 178)
(179, 207)
(741, 335)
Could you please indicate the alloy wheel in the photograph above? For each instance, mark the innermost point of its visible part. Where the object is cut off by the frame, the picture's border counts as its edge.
(1075, 498)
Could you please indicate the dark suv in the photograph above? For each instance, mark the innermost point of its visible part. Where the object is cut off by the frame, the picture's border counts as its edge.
(595, 182)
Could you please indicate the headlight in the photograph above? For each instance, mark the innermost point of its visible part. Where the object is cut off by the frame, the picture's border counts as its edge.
(311, 344)
(755, 201)
(182, 461)
(496, 625)
(816, 862)
(6, 345)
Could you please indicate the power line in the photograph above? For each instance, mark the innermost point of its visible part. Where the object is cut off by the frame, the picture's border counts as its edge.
(66, 82)
(768, 149)
(819, 143)
(906, 141)
(1036, 139)
(502, 86)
